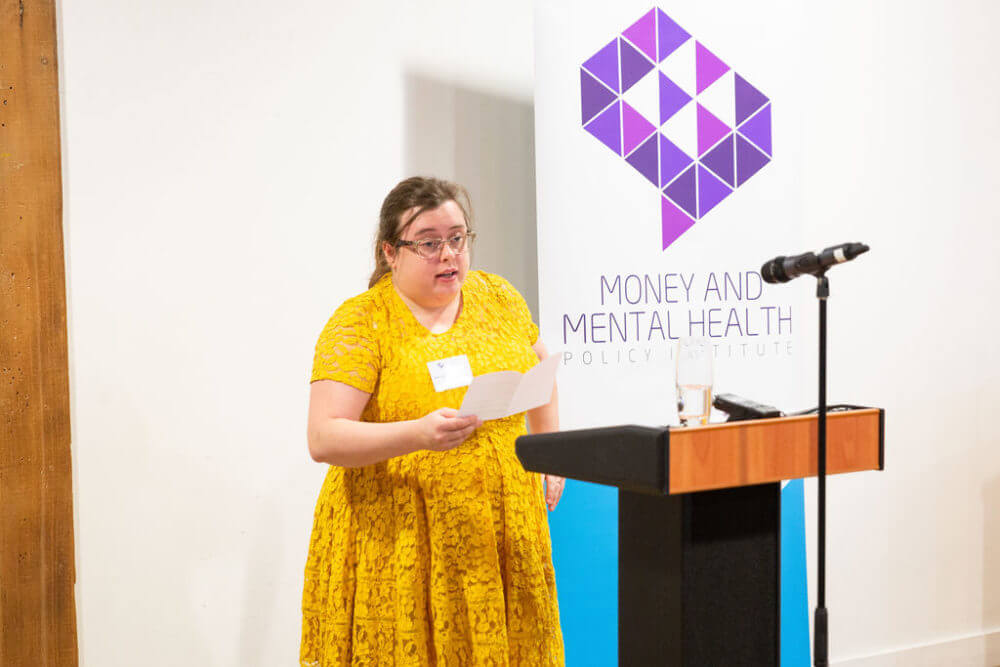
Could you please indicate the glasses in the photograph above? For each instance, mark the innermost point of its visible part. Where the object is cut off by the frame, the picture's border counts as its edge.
(431, 248)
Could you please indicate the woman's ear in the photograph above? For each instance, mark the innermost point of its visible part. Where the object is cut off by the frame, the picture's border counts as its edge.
(389, 252)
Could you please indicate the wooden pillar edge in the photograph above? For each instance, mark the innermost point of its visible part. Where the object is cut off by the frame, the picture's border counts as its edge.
(37, 571)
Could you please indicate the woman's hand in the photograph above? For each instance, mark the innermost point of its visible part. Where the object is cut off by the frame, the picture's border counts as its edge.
(443, 429)
(553, 490)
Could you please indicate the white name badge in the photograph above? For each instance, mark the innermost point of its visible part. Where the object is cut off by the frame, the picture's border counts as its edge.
(450, 373)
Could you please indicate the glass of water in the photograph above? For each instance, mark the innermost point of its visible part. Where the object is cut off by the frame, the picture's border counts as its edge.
(694, 380)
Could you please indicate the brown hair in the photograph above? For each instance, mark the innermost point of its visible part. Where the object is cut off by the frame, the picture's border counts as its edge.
(423, 193)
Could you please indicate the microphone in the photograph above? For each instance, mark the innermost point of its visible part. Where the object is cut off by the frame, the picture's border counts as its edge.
(782, 269)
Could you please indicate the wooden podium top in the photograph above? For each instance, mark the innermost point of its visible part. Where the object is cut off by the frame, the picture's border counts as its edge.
(662, 460)
(719, 456)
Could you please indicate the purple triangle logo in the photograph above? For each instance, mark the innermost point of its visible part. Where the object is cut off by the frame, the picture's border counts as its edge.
(688, 186)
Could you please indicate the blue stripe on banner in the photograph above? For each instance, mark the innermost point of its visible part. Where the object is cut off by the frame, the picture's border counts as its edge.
(584, 532)
(794, 595)
(584, 529)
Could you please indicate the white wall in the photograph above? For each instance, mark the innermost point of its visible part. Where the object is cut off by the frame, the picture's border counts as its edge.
(224, 167)
(224, 164)
(901, 154)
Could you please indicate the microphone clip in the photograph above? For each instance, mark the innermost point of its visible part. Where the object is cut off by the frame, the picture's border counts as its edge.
(822, 285)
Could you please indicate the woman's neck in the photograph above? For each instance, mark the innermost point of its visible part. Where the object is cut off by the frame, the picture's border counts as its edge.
(435, 319)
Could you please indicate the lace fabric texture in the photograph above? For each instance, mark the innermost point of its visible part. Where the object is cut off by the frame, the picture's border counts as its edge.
(432, 558)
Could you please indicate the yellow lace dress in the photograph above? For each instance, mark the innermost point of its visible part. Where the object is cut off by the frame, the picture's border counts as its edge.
(432, 558)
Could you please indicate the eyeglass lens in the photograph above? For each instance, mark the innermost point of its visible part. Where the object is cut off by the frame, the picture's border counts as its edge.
(431, 249)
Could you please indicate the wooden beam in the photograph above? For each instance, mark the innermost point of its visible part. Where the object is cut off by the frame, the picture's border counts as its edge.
(37, 574)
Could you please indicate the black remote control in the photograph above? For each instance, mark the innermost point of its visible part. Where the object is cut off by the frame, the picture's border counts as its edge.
(740, 409)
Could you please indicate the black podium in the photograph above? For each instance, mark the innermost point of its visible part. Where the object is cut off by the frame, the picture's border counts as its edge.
(699, 525)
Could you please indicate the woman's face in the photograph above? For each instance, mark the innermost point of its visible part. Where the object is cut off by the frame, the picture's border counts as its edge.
(431, 283)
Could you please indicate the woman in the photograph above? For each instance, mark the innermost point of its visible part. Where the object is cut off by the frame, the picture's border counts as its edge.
(430, 543)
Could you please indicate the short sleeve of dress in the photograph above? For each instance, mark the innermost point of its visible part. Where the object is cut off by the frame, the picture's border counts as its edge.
(347, 350)
(515, 306)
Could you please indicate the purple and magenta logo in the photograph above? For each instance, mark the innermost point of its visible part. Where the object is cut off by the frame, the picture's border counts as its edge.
(678, 114)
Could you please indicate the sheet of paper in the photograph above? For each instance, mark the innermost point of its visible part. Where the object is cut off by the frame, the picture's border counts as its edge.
(488, 397)
(498, 395)
(536, 385)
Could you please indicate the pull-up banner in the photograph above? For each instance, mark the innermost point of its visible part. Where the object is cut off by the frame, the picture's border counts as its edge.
(668, 171)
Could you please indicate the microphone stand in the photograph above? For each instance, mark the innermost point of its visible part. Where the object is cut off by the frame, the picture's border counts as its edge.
(821, 643)
(781, 270)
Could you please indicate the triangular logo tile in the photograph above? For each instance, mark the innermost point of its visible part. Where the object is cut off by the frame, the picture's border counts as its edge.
(749, 160)
(711, 191)
(642, 33)
(634, 64)
(710, 129)
(684, 192)
(673, 220)
(710, 67)
(672, 160)
(722, 161)
(672, 98)
(748, 99)
(758, 129)
(607, 128)
(669, 35)
(594, 96)
(604, 65)
(644, 159)
(635, 128)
